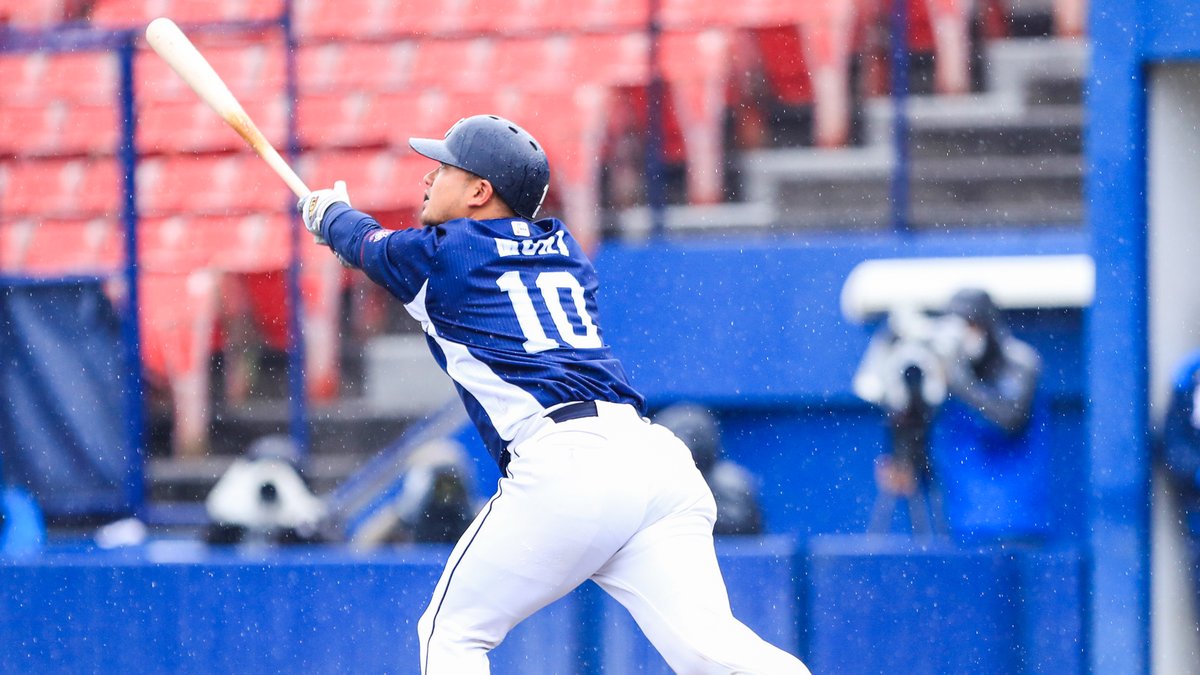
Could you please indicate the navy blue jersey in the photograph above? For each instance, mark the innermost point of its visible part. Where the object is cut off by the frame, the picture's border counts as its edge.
(508, 307)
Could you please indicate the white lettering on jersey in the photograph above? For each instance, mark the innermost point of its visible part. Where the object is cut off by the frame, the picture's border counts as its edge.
(506, 248)
(532, 247)
(379, 235)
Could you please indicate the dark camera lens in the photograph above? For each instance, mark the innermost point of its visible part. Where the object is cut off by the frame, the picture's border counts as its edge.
(268, 493)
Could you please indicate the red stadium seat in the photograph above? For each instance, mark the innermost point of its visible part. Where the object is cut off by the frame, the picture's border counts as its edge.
(340, 120)
(126, 13)
(455, 63)
(178, 321)
(372, 66)
(437, 17)
(208, 185)
(565, 61)
(45, 247)
(57, 188)
(807, 48)
(189, 125)
(249, 70)
(32, 15)
(79, 77)
(522, 17)
(620, 60)
(377, 180)
(58, 128)
(697, 67)
(316, 20)
(431, 112)
(246, 243)
(350, 20)
(1070, 17)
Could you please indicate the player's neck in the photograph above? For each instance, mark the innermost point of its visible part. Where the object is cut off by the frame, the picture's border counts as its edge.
(491, 211)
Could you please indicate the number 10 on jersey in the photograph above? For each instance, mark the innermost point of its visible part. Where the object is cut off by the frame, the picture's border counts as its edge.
(550, 284)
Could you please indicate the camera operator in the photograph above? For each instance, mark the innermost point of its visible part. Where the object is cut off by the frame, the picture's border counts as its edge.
(903, 373)
(991, 444)
(967, 427)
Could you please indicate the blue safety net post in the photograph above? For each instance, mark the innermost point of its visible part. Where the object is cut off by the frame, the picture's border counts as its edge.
(297, 393)
(656, 189)
(901, 168)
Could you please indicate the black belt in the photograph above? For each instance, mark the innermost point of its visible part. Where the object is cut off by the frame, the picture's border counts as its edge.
(573, 411)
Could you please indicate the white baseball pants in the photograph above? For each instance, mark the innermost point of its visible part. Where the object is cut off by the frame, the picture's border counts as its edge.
(611, 498)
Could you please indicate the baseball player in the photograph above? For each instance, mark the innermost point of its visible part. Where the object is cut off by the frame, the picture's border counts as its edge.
(590, 488)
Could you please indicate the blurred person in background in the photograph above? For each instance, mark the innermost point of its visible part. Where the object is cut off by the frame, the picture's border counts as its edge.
(734, 487)
(991, 442)
(1180, 448)
(434, 503)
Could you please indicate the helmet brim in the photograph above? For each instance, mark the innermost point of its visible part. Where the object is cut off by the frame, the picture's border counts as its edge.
(433, 148)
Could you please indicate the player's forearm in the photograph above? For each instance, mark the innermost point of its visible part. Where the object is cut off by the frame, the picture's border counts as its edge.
(346, 229)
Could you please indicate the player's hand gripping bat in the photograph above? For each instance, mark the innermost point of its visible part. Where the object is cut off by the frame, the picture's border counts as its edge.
(183, 57)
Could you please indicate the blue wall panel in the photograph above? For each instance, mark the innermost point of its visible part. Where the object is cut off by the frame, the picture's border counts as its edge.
(761, 575)
(318, 612)
(881, 605)
(322, 610)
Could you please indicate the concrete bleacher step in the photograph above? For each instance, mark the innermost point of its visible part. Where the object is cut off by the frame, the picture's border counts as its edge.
(1044, 130)
(1011, 155)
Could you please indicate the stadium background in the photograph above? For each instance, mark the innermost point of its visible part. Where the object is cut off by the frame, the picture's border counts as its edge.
(713, 294)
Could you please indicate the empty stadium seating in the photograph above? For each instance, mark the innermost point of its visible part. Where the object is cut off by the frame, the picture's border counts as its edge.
(42, 247)
(189, 125)
(376, 180)
(124, 13)
(209, 184)
(356, 19)
(32, 15)
(58, 128)
(250, 67)
(69, 188)
(80, 77)
(372, 73)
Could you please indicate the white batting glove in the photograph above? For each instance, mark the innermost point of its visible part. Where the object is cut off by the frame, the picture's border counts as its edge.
(314, 205)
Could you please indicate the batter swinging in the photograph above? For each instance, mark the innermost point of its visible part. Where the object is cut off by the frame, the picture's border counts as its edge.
(590, 488)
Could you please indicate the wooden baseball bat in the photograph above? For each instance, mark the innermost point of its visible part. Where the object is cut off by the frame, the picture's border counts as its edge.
(183, 57)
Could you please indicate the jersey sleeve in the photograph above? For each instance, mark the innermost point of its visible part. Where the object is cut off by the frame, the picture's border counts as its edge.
(399, 260)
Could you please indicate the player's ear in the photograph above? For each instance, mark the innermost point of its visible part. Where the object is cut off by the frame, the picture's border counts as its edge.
(480, 192)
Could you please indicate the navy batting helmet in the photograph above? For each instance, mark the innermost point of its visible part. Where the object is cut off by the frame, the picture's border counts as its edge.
(494, 148)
